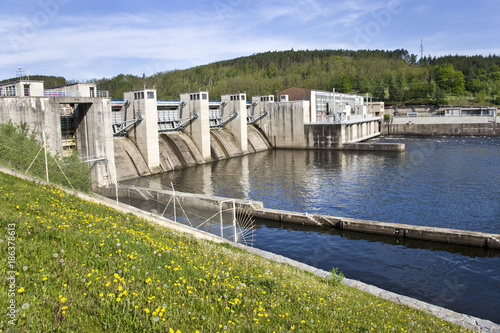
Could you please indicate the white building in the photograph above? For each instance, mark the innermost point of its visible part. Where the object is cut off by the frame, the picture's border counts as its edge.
(22, 88)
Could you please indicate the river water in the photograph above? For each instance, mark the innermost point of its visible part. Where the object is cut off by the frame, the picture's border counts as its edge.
(440, 182)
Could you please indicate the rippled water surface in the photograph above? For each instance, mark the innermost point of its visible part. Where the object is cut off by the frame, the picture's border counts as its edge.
(441, 182)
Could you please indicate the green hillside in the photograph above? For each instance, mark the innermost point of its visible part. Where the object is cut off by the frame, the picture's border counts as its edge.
(395, 77)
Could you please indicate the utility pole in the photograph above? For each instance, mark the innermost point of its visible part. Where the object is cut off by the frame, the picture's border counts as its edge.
(421, 48)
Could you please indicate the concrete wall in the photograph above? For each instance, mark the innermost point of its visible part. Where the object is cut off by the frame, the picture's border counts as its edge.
(93, 127)
(38, 113)
(284, 125)
(324, 136)
(439, 126)
(199, 129)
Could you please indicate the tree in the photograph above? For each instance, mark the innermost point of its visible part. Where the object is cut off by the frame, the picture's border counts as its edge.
(402, 85)
(365, 86)
(345, 84)
(379, 91)
(416, 89)
(495, 73)
(395, 92)
(449, 79)
(431, 88)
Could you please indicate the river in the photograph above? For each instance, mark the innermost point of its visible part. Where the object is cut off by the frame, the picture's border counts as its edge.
(441, 182)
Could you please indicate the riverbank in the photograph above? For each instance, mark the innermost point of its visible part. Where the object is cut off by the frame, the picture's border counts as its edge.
(99, 268)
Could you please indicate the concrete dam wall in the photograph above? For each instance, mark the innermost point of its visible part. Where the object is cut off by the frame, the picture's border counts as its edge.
(443, 126)
(177, 150)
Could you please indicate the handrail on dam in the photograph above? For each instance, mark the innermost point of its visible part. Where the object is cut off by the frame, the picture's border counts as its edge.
(176, 125)
(121, 128)
(251, 120)
(223, 121)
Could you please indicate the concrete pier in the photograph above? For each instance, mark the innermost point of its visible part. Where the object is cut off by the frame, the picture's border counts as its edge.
(237, 104)
(257, 210)
(145, 132)
(199, 129)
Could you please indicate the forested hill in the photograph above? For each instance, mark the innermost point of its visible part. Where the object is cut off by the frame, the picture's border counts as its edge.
(393, 76)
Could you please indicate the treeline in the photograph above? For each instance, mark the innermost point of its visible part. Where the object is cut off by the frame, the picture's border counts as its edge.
(396, 77)
(49, 81)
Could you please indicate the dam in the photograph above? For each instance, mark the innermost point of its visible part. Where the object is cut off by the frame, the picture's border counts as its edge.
(142, 135)
(195, 130)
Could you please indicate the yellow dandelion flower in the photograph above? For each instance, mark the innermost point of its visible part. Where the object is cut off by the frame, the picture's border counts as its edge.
(20, 290)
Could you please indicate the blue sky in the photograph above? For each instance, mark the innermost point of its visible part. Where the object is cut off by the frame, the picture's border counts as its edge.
(88, 39)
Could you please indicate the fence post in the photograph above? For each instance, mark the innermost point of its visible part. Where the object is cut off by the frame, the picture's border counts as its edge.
(46, 163)
(221, 222)
(234, 222)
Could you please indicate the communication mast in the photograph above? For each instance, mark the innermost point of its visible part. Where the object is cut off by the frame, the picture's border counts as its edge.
(421, 48)
(21, 74)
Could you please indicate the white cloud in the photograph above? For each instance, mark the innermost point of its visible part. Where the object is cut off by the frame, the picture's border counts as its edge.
(117, 42)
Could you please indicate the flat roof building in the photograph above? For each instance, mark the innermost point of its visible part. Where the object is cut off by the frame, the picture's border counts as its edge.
(22, 88)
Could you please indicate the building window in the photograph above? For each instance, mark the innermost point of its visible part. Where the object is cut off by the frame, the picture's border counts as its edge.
(142, 94)
(151, 94)
(1, 91)
(26, 90)
(204, 97)
(92, 92)
(10, 91)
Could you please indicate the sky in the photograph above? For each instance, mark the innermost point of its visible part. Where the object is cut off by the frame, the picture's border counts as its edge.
(82, 40)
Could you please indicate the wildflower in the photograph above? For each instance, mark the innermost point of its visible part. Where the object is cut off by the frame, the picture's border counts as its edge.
(25, 268)
(25, 306)
(20, 290)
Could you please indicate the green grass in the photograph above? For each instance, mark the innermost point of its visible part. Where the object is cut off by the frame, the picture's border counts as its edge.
(84, 267)
(20, 151)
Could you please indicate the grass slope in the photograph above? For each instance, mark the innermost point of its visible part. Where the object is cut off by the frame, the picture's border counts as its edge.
(84, 267)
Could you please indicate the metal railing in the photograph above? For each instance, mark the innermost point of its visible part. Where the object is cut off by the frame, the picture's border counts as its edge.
(73, 93)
